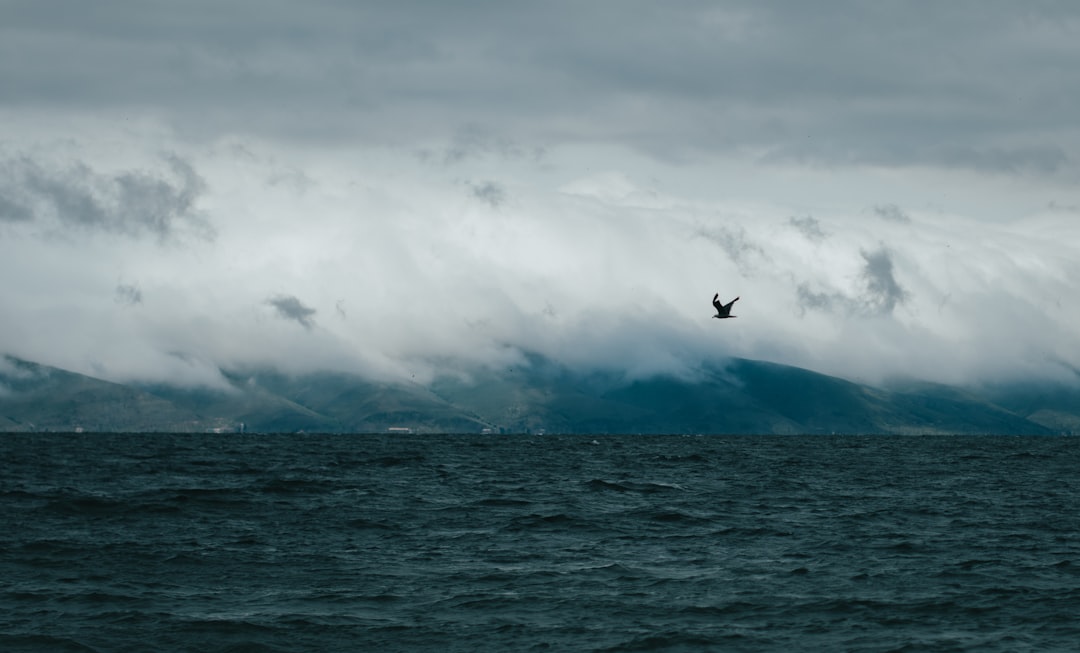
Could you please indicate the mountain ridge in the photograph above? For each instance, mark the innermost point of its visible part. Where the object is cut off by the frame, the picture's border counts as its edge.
(733, 396)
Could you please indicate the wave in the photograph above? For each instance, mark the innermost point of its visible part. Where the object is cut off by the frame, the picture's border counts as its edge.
(601, 485)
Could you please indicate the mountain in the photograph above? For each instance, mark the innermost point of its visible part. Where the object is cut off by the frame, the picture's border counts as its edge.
(269, 401)
(740, 396)
(40, 398)
(1052, 405)
(735, 396)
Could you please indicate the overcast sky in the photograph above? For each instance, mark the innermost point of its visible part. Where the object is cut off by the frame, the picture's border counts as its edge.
(892, 188)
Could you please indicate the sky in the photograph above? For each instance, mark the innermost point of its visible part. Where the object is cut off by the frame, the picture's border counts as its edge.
(892, 189)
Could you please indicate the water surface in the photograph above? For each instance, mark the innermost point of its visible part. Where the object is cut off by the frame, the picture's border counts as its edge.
(464, 543)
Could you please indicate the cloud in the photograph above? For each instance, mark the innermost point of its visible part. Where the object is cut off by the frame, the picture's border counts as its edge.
(891, 212)
(809, 227)
(474, 180)
(676, 81)
(291, 308)
(14, 212)
(608, 280)
(128, 295)
(489, 192)
(1064, 208)
(877, 292)
(130, 202)
(883, 293)
(1031, 159)
(733, 240)
(809, 298)
(472, 142)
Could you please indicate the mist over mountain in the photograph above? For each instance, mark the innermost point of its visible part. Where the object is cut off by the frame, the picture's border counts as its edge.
(370, 187)
(735, 396)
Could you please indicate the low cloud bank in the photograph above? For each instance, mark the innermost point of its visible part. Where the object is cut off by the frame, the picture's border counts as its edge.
(605, 272)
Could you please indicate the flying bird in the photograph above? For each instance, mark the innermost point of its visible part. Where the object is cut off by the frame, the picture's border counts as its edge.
(723, 310)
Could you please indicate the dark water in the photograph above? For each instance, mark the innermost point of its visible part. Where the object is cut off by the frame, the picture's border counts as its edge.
(513, 543)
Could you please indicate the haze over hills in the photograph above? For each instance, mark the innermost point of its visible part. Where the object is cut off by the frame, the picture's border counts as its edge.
(737, 396)
(293, 195)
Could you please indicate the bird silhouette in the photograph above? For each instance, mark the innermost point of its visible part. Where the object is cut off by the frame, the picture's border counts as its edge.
(723, 310)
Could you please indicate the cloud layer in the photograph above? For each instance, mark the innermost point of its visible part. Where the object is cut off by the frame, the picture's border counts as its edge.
(889, 188)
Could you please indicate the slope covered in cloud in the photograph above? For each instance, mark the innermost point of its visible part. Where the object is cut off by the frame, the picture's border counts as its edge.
(394, 189)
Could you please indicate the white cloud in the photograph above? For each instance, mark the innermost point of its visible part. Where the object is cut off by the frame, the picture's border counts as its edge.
(887, 188)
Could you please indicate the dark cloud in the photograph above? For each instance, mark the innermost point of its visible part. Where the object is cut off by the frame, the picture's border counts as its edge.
(132, 203)
(291, 308)
(891, 212)
(128, 294)
(1063, 208)
(809, 227)
(1033, 159)
(883, 292)
(734, 241)
(13, 211)
(473, 142)
(297, 180)
(489, 192)
(879, 295)
(468, 142)
(821, 301)
(969, 83)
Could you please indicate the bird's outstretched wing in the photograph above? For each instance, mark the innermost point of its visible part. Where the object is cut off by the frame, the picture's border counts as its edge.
(723, 310)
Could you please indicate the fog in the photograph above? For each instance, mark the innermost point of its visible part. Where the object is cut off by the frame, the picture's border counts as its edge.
(399, 192)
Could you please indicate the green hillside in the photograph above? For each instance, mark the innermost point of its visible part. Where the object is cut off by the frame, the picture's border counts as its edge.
(733, 396)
